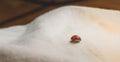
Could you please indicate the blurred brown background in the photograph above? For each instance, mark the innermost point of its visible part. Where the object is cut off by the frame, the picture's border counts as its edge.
(20, 12)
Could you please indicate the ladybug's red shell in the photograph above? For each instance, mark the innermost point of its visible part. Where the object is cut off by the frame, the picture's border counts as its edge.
(75, 37)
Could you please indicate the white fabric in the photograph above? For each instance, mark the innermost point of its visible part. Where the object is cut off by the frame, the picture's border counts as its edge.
(47, 38)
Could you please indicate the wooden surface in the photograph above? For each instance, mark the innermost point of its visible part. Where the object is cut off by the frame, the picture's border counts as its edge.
(20, 12)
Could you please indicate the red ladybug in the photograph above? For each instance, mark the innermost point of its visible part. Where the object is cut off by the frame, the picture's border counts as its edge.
(75, 39)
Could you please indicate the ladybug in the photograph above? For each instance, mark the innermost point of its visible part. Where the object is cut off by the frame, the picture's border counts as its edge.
(75, 39)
